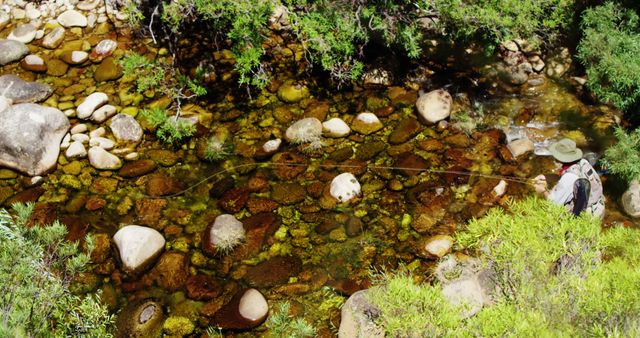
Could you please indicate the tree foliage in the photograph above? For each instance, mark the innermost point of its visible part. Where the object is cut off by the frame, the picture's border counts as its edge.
(623, 157)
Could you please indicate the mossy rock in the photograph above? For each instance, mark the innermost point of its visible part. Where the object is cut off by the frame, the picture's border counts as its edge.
(292, 92)
(178, 326)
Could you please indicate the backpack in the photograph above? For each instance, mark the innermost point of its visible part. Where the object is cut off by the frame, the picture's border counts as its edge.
(583, 169)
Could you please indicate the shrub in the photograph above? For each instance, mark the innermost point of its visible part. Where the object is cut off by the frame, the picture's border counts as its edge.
(554, 274)
(623, 157)
(609, 49)
(169, 129)
(37, 266)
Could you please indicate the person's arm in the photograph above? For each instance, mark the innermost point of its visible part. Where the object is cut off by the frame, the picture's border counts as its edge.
(562, 192)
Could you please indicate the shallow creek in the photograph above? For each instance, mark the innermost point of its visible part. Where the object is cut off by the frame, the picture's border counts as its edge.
(419, 183)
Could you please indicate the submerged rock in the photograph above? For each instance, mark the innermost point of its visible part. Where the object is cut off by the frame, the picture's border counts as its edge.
(104, 160)
(137, 246)
(141, 319)
(520, 147)
(306, 130)
(292, 92)
(171, 271)
(30, 137)
(21, 91)
(246, 310)
(434, 106)
(336, 127)
(223, 235)
(11, 50)
(366, 123)
(344, 187)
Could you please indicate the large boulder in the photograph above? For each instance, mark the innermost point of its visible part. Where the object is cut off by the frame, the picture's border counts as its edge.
(357, 318)
(11, 50)
(631, 199)
(30, 137)
(137, 246)
(21, 91)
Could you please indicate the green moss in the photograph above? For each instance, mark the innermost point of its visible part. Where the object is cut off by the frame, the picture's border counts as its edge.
(282, 324)
(179, 326)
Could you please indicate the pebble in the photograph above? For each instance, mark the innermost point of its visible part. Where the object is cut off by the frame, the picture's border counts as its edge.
(98, 132)
(76, 150)
(272, 145)
(18, 13)
(103, 113)
(88, 5)
(91, 103)
(53, 39)
(33, 63)
(102, 142)
(4, 19)
(78, 128)
(335, 127)
(23, 33)
(102, 159)
(344, 187)
(84, 138)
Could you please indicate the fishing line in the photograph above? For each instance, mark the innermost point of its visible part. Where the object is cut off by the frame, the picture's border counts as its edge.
(351, 166)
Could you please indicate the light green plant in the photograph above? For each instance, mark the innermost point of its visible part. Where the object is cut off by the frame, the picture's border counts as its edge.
(169, 129)
(623, 157)
(37, 265)
(608, 50)
(281, 324)
(217, 149)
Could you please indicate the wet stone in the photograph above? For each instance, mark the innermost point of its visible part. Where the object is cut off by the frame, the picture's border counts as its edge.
(317, 109)
(25, 196)
(104, 185)
(149, 211)
(286, 172)
(203, 287)
(274, 271)
(258, 228)
(288, 193)
(107, 70)
(369, 150)
(341, 154)
(247, 309)
(76, 228)
(162, 185)
(431, 145)
(137, 168)
(405, 130)
(384, 111)
(234, 200)
(411, 164)
(21, 91)
(94, 203)
(459, 140)
(171, 271)
(140, 319)
(165, 158)
(257, 205)
(354, 227)
(56, 67)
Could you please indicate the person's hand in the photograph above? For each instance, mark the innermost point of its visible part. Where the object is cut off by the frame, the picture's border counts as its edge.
(540, 184)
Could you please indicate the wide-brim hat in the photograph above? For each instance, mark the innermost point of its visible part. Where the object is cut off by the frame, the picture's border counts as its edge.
(565, 151)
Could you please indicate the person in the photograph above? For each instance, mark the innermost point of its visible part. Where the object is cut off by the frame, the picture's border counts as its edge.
(579, 188)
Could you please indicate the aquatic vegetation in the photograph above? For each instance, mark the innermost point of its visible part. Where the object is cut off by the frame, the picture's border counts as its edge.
(281, 324)
(38, 267)
(608, 50)
(216, 149)
(169, 129)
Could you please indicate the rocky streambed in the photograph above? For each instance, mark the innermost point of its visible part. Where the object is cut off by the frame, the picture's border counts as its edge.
(319, 186)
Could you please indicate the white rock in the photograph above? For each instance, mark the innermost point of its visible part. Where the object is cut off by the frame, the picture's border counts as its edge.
(90, 104)
(631, 199)
(4, 19)
(78, 56)
(76, 150)
(132, 156)
(39, 34)
(344, 187)
(33, 60)
(72, 18)
(23, 33)
(88, 5)
(103, 113)
(305, 131)
(91, 20)
(78, 128)
(84, 138)
(5, 102)
(500, 188)
(102, 159)
(226, 232)
(520, 147)
(18, 13)
(125, 128)
(54, 38)
(98, 132)
(369, 118)
(438, 245)
(70, 112)
(253, 306)
(355, 319)
(272, 145)
(434, 106)
(105, 47)
(66, 141)
(102, 142)
(335, 127)
(137, 245)
(33, 13)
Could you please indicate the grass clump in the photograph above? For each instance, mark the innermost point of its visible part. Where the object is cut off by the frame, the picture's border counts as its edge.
(554, 275)
(169, 129)
(37, 266)
(609, 49)
(281, 324)
(216, 149)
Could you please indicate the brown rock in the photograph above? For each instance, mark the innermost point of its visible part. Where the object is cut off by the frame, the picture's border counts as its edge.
(165, 158)
(171, 271)
(384, 111)
(56, 67)
(203, 287)
(431, 145)
(317, 109)
(137, 168)
(94, 203)
(459, 140)
(107, 70)
(234, 200)
(288, 172)
(102, 249)
(149, 211)
(76, 228)
(369, 150)
(258, 229)
(25, 196)
(288, 193)
(274, 271)
(346, 286)
(411, 164)
(230, 316)
(257, 184)
(261, 204)
(405, 130)
(43, 214)
(162, 185)
(104, 185)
